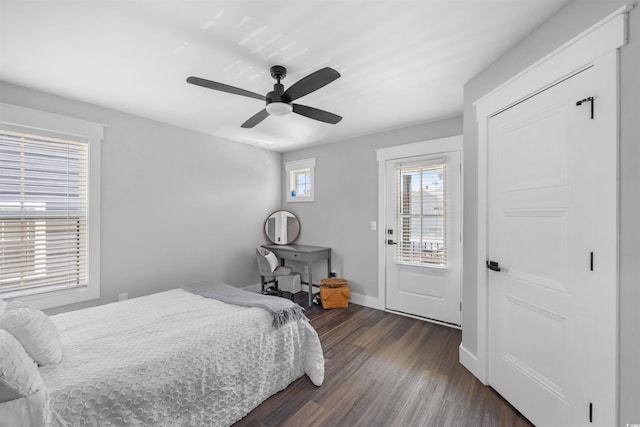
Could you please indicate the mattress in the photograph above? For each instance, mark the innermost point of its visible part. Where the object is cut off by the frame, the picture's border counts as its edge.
(174, 358)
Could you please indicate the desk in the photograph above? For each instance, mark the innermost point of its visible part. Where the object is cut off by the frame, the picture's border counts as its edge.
(306, 254)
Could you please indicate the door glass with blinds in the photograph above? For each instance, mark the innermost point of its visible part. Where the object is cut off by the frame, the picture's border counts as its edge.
(43, 213)
(421, 214)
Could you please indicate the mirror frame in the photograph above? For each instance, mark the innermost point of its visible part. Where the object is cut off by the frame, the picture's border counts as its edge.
(289, 241)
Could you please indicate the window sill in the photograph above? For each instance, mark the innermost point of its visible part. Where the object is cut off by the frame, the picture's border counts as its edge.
(55, 298)
(301, 199)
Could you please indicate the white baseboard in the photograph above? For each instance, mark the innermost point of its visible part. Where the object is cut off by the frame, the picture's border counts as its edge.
(470, 361)
(367, 301)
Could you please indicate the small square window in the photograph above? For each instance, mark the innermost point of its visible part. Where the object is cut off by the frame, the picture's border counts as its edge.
(300, 180)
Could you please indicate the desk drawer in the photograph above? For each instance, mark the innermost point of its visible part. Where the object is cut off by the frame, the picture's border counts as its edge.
(294, 256)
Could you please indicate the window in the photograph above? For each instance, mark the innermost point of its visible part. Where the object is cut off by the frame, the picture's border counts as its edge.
(421, 215)
(49, 217)
(300, 180)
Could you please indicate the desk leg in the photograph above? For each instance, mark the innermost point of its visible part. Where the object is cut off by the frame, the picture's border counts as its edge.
(310, 285)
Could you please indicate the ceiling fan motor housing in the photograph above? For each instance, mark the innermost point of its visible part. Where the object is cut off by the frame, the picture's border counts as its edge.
(281, 103)
(277, 103)
(277, 95)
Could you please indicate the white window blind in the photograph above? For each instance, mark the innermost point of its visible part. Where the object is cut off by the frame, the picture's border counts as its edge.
(43, 213)
(421, 213)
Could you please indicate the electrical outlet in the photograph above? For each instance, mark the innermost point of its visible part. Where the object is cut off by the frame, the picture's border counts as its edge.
(374, 226)
(123, 296)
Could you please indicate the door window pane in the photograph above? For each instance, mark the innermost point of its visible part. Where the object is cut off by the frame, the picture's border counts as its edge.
(421, 215)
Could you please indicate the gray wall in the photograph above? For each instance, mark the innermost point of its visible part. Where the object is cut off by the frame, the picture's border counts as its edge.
(346, 200)
(569, 22)
(177, 206)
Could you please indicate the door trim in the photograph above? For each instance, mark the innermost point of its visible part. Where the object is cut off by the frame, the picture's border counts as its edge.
(433, 146)
(595, 47)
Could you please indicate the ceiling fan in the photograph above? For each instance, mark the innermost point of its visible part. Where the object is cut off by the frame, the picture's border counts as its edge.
(279, 101)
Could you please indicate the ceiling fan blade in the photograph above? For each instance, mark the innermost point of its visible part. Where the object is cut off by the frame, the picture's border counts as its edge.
(223, 87)
(255, 119)
(316, 114)
(310, 83)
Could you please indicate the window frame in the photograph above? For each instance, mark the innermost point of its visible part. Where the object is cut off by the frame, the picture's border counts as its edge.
(40, 123)
(292, 171)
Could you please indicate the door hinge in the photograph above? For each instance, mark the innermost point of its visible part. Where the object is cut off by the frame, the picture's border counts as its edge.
(590, 412)
(460, 306)
(589, 99)
(591, 261)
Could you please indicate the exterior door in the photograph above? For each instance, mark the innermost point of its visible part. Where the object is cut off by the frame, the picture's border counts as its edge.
(423, 239)
(544, 180)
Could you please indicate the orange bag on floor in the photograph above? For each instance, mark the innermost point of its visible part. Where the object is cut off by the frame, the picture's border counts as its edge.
(334, 293)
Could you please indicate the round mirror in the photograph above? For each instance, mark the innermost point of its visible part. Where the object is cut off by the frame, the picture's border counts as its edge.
(282, 227)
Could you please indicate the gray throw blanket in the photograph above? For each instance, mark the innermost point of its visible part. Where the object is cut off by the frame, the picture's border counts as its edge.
(283, 310)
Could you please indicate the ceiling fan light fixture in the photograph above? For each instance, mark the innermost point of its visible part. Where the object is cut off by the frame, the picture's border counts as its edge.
(279, 108)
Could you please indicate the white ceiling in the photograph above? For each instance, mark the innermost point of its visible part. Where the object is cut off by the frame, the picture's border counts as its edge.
(402, 62)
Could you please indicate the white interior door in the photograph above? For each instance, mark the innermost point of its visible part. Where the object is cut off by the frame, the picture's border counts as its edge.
(423, 240)
(544, 180)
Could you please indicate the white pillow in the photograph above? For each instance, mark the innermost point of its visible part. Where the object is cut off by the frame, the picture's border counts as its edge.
(19, 375)
(34, 330)
(272, 259)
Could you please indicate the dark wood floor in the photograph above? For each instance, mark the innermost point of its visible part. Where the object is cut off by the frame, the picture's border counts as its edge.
(382, 369)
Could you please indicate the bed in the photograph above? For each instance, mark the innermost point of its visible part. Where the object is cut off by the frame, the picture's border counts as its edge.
(172, 358)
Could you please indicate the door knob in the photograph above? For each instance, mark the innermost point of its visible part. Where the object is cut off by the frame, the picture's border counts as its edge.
(493, 265)
(391, 242)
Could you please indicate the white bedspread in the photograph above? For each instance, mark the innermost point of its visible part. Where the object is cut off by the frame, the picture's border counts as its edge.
(174, 359)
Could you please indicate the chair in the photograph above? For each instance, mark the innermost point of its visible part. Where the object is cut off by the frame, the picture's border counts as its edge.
(269, 267)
